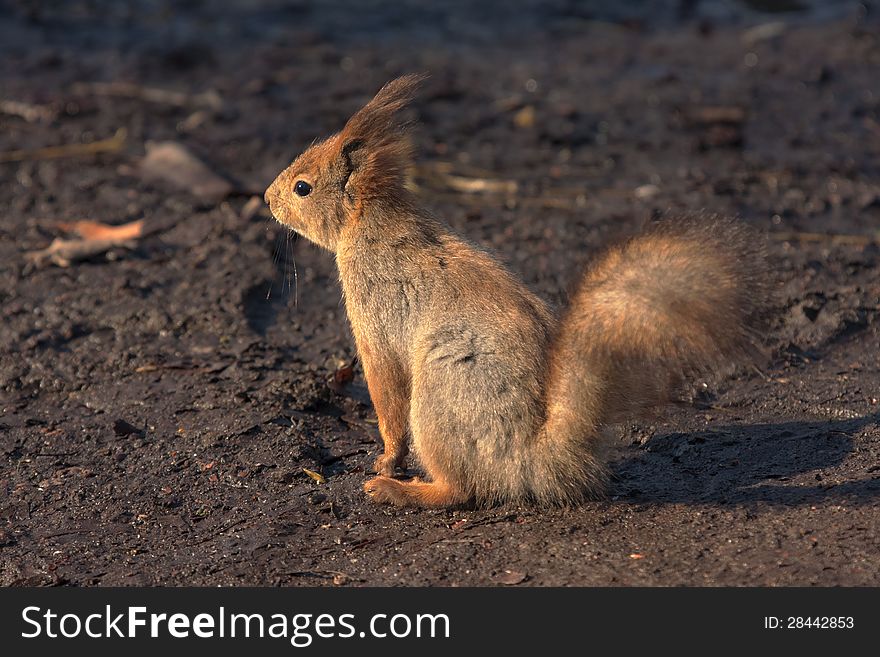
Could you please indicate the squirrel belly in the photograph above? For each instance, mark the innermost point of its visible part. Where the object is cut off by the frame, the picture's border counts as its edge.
(498, 398)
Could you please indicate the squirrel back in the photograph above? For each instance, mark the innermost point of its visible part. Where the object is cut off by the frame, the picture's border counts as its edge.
(498, 398)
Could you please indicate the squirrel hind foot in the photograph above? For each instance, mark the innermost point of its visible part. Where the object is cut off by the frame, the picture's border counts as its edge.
(412, 493)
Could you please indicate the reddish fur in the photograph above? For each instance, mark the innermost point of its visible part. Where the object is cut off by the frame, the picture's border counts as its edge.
(389, 390)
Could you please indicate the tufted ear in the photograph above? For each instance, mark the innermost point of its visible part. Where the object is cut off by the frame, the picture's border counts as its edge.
(374, 145)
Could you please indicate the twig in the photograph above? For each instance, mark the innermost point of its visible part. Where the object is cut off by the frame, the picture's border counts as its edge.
(716, 114)
(65, 252)
(210, 99)
(457, 540)
(96, 238)
(30, 113)
(440, 174)
(838, 238)
(476, 185)
(758, 371)
(111, 145)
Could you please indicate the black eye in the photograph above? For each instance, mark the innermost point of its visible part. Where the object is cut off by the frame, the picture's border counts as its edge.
(302, 188)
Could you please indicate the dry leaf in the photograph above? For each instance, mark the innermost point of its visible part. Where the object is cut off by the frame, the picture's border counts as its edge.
(29, 112)
(95, 230)
(525, 118)
(172, 163)
(341, 378)
(344, 374)
(96, 238)
(477, 185)
(111, 145)
(65, 252)
(317, 476)
(440, 175)
(646, 192)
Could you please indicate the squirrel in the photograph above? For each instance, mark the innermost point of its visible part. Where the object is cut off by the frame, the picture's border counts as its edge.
(500, 399)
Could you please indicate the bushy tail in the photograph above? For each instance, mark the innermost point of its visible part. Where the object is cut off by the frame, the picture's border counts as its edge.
(677, 301)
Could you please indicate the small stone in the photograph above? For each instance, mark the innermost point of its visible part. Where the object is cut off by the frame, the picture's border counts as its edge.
(512, 577)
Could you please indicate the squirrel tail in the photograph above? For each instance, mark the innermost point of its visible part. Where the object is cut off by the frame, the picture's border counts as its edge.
(680, 300)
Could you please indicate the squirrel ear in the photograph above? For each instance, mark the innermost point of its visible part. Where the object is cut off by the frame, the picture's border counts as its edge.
(378, 121)
(375, 171)
(375, 147)
(354, 158)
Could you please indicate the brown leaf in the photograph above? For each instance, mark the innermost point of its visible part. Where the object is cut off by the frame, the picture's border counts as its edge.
(171, 162)
(96, 238)
(317, 476)
(525, 118)
(95, 230)
(341, 378)
(64, 252)
(343, 374)
(29, 112)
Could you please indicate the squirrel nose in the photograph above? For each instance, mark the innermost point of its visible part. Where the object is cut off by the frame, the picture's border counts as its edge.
(269, 195)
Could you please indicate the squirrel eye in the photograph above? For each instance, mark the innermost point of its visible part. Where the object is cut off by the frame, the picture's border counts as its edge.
(302, 188)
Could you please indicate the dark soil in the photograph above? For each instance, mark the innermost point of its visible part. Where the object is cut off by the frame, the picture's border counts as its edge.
(159, 404)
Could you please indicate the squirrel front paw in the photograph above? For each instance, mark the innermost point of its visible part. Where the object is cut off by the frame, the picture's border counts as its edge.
(386, 464)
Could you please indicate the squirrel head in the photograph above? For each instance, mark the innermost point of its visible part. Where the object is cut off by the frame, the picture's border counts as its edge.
(361, 167)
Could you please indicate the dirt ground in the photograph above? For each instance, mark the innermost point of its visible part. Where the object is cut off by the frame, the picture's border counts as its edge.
(160, 402)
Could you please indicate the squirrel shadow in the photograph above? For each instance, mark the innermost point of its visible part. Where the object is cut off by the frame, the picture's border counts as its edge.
(746, 464)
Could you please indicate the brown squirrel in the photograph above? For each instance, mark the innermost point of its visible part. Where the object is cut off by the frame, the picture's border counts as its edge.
(499, 398)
